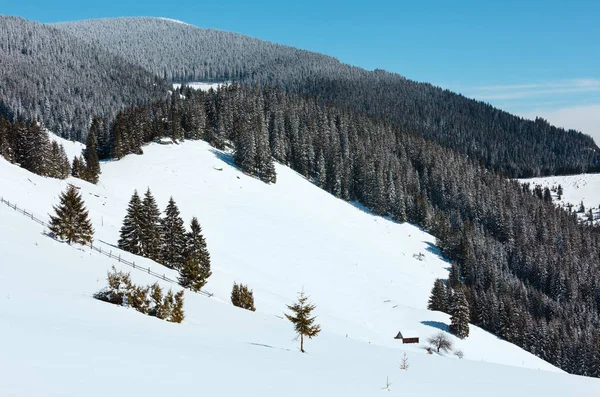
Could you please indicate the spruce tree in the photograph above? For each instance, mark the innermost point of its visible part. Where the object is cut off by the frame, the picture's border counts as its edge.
(92, 164)
(150, 239)
(242, 296)
(71, 222)
(173, 237)
(196, 262)
(459, 311)
(303, 322)
(77, 167)
(437, 300)
(177, 313)
(131, 231)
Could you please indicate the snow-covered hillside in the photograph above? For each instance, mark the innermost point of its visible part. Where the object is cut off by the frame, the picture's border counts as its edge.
(359, 269)
(576, 189)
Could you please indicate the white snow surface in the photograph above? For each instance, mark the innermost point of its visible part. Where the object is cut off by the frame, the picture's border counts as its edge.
(576, 189)
(199, 85)
(358, 268)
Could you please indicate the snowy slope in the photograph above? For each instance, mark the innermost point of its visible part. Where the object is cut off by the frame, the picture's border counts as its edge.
(359, 269)
(72, 148)
(576, 189)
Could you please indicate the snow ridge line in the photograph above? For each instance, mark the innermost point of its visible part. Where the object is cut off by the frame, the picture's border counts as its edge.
(109, 254)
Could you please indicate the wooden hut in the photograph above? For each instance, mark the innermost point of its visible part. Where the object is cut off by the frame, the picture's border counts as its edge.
(408, 336)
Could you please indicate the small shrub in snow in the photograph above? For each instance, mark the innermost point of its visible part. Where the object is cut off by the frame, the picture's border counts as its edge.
(242, 296)
(148, 300)
(459, 353)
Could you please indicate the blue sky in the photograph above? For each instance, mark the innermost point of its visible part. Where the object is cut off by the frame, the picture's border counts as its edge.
(529, 57)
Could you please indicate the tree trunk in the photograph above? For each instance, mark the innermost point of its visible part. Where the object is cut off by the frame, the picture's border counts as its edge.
(301, 343)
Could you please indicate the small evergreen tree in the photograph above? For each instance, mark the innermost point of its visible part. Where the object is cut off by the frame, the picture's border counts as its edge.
(242, 296)
(437, 300)
(303, 322)
(92, 164)
(165, 310)
(459, 311)
(196, 266)
(150, 239)
(131, 231)
(77, 167)
(156, 300)
(71, 221)
(177, 314)
(454, 281)
(118, 290)
(173, 237)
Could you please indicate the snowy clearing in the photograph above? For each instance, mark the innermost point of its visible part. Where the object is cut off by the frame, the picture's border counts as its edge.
(202, 86)
(577, 189)
(360, 270)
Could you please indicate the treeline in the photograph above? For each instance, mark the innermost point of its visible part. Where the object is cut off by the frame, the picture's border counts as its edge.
(499, 141)
(529, 271)
(28, 145)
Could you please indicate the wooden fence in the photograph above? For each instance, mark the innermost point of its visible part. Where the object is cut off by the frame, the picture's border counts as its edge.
(99, 249)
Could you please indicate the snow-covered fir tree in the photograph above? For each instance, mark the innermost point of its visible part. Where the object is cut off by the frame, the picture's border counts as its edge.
(172, 237)
(133, 226)
(71, 222)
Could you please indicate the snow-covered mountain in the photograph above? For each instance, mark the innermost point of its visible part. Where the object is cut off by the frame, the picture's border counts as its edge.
(369, 278)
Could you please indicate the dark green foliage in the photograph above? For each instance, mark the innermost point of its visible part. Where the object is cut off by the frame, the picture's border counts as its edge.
(438, 299)
(118, 290)
(173, 237)
(78, 167)
(164, 311)
(459, 311)
(148, 300)
(196, 266)
(90, 154)
(302, 320)
(242, 296)
(454, 281)
(150, 239)
(177, 314)
(133, 226)
(71, 221)
(28, 145)
(58, 164)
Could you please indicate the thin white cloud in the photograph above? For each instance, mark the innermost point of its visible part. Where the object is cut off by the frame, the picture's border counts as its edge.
(523, 91)
(581, 118)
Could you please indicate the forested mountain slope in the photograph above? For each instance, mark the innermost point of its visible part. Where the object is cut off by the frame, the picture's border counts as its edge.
(498, 140)
(49, 75)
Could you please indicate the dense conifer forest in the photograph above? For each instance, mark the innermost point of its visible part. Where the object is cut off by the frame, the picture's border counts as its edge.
(49, 75)
(496, 139)
(529, 271)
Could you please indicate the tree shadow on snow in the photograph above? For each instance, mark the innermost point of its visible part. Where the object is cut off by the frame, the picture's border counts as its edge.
(437, 324)
(434, 249)
(227, 158)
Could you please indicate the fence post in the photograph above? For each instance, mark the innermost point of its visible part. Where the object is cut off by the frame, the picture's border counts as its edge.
(119, 258)
(148, 270)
